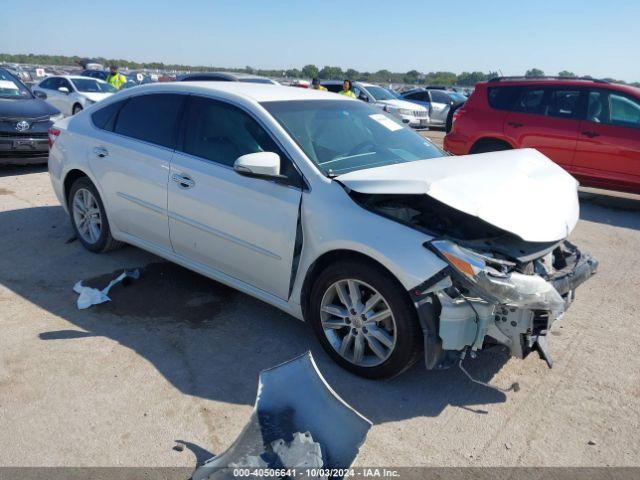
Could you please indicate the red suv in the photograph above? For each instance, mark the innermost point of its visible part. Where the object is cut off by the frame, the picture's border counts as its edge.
(589, 127)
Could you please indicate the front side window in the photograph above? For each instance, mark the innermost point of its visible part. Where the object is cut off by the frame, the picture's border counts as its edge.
(221, 133)
(612, 108)
(340, 136)
(625, 111)
(152, 118)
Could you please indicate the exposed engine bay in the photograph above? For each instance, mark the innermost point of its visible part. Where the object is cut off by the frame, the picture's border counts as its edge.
(497, 285)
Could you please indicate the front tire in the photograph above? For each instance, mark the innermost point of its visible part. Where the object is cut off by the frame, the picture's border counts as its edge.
(89, 218)
(77, 108)
(365, 320)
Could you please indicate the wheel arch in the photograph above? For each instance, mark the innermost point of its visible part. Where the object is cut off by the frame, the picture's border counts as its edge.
(69, 179)
(329, 258)
(488, 140)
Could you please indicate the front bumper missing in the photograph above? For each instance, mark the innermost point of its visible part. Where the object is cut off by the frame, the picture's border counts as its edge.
(298, 421)
(454, 317)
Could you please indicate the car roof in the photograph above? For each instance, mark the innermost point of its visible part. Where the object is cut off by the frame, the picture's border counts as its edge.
(569, 82)
(258, 92)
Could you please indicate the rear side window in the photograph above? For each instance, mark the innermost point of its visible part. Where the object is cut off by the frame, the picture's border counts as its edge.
(439, 97)
(562, 103)
(49, 83)
(503, 98)
(151, 118)
(334, 87)
(531, 101)
(420, 96)
(106, 116)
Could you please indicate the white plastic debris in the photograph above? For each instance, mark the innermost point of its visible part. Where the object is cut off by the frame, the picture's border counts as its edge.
(92, 296)
(301, 452)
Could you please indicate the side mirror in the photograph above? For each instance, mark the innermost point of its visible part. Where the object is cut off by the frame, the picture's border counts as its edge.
(40, 95)
(64, 90)
(259, 164)
(364, 98)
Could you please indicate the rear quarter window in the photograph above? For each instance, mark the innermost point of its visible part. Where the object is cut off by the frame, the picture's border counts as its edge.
(106, 116)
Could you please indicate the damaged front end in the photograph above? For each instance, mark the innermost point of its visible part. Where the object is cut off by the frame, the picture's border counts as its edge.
(515, 304)
(496, 284)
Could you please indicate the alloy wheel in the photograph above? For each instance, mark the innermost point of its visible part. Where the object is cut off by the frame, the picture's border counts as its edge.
(86, 215)
(358, 322)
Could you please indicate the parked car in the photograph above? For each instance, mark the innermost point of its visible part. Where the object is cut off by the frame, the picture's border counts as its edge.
(589, 127)
(329, 209)
(225, 77)
(440, 103)
(24, 123)
(70, 94)
(413, 115)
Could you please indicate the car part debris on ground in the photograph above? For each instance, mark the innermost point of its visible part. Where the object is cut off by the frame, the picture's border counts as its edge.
(298, 422)
(92, 296)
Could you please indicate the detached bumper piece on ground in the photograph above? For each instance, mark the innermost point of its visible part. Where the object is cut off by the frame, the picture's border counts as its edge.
(299, 426)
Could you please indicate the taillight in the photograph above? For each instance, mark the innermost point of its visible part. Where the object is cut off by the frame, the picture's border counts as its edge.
(457, 114)
(53, 134)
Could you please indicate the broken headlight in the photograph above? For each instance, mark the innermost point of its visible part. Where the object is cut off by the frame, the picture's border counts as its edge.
(491, 279)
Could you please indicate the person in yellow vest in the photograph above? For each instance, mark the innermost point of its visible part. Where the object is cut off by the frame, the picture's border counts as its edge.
(114, 78)
(315, 84)
(346, 89)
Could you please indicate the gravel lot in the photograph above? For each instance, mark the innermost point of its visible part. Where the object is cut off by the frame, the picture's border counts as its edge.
(177, 357)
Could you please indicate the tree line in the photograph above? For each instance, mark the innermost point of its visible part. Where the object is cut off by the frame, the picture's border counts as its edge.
(412, 77)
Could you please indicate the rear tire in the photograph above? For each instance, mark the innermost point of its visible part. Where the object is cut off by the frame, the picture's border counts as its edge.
(77, 108)
(384, 340)
(89, 218)
(484, 146)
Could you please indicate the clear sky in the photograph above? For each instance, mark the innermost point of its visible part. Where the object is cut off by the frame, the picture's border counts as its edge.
(597, 38)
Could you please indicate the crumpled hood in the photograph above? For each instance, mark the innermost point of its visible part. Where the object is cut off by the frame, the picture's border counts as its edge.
(401, 104)
(520, 191)
(96, 97)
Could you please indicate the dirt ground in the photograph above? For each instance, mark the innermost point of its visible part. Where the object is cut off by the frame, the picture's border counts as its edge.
(175, 356)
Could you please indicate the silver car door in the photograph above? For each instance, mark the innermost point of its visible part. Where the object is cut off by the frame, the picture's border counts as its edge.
(240, 226)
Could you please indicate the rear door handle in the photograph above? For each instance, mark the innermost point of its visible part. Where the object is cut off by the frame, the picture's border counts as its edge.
(183, 181)
(515, 124)
(590, 134)
(101, 152)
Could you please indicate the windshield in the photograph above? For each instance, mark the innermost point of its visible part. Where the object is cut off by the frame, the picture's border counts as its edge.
(380, 93)
(341, 136)
(11, 88)
(90, 85)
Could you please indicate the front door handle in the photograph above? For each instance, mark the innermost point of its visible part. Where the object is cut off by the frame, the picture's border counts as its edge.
(101, 152)
(515, 124)
(590, 134)
(183, 181)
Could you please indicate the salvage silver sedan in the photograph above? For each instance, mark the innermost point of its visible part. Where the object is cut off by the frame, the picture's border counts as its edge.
(332, 211)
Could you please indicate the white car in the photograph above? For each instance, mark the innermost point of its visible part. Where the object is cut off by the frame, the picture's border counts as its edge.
(331, 210)
(70, 94)
(414, 115)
